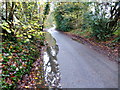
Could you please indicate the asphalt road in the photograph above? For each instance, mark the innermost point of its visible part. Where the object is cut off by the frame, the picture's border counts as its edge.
(82, 67)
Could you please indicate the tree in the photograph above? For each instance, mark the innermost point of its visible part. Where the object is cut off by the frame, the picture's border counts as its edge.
(69, 15)
(45, 13)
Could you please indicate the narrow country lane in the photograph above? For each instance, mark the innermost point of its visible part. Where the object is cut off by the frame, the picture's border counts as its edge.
(82, 67)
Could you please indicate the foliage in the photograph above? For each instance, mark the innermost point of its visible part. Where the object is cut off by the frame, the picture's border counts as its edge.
(46, 12)
(68, 16)
(22, 40)
(98, 26)
(19, 56)
(101, 20)
(17, 61)
(49, 22)
(47, 8)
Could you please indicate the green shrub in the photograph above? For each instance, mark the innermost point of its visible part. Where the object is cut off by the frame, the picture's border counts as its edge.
(68, 16)
(99, 29)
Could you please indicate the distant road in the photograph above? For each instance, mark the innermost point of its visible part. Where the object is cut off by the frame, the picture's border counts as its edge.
(82, 67)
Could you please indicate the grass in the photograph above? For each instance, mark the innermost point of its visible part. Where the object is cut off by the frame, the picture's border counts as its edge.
(79, 32)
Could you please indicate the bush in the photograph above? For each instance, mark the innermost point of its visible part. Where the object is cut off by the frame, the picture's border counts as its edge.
(68, 16)
(98, 26)
(99, 29)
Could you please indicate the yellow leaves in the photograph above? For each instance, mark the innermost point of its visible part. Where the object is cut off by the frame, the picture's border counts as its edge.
(25, 27)
(29, 36)
(27, 40)
(38, 74)
(41, 33)
(1, 33)
(35, 24)
(24, 34)
(23, 50)
(16, 21)
(32, 30)
(17, 4)
(11, 46)
(26, 86)
(19, 35)
(29, 26)
(36, 78)
(7, 29)
(9, 57)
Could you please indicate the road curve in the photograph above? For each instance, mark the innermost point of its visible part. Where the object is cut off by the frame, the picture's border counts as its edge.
(82, 67)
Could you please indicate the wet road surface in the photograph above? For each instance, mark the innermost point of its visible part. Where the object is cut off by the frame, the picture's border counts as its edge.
(82, 67)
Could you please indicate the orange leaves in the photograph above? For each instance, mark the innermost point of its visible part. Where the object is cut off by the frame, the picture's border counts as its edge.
(1, 57)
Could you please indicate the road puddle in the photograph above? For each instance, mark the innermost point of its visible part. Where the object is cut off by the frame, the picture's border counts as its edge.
(51, 66)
